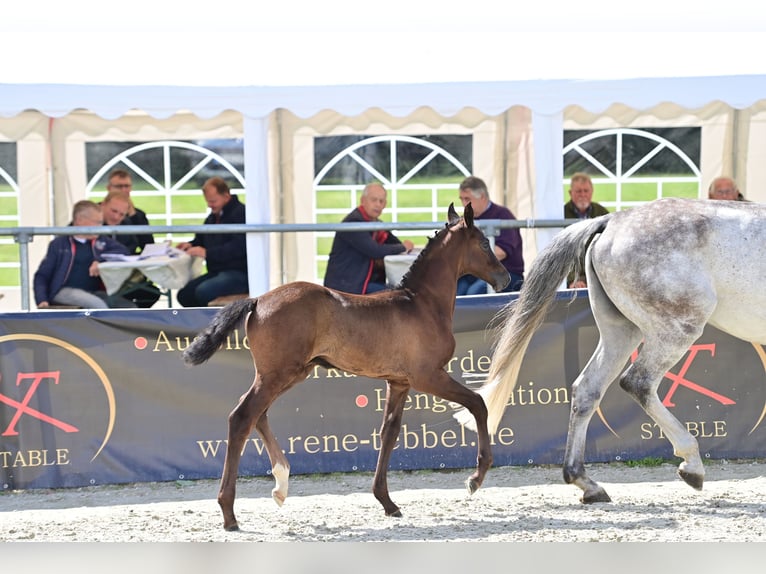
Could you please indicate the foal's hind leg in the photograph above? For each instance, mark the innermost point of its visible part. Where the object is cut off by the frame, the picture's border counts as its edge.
(241, 421)
(280, 467)
(392, 424)
(444, 386)
(251, 411)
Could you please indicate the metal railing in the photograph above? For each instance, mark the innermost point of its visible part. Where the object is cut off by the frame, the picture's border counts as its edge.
(24, 235)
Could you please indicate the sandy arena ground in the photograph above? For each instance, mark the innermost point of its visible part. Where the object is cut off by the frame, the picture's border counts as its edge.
(515, 504)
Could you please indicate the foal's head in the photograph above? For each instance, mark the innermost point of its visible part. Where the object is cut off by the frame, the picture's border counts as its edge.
(460, 246)
(476, 256)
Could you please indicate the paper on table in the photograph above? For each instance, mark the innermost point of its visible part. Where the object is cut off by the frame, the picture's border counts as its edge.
(119, 257)
(154, 250)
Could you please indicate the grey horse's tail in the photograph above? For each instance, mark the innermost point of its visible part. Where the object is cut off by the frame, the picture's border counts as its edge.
(207, 342)
(521, 318)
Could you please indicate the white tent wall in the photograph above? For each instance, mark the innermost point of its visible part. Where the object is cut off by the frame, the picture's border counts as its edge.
(733, 141)
(518, 159)
(750, 152)
(517, 129)
(547, 146)
(52, 161)
(70, 133)
(29, 130)
(261, 189)
(490, 161)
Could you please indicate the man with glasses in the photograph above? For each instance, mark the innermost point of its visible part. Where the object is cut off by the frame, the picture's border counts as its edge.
(724, 187)
(114, 208)
(137, 288)
(68, 274)
(121, 181)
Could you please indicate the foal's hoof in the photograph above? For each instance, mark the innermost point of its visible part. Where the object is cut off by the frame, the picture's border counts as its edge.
(231, 528)
(395, 513)
(692, 479)
(598, 495)
(472, 485)
(278, 497)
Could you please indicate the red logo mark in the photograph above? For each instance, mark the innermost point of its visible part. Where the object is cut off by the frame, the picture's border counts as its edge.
(681, 380)
(24, 408)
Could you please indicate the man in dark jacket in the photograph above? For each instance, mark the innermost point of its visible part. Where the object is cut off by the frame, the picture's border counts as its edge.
(581, 206)
(224, 253)
(121, 181)
(68, 274)
(356, 258)
(137, 288)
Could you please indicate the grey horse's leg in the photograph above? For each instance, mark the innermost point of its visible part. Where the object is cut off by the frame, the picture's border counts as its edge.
(641, 380)
(604, 366)
(618, 339)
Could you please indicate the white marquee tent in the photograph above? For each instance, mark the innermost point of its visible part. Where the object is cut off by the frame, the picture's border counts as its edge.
(336, 74)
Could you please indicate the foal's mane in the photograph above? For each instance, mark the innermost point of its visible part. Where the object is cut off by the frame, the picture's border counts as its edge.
(417, 270)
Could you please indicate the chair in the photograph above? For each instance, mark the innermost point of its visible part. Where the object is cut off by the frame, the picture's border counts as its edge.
(224, 299)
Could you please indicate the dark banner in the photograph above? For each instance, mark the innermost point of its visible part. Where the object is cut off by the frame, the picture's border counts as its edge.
(104, 397)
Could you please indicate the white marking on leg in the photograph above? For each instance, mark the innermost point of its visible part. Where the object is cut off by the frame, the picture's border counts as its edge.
(281, 475)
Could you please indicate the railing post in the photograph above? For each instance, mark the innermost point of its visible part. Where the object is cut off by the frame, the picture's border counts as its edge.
(23, 238)
(490, 231)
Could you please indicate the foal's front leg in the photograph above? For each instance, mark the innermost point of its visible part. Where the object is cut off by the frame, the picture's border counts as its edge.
(396, 394)
(444, 386)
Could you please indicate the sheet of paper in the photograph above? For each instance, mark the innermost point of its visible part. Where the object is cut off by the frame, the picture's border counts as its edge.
(154, 250)
(119, 257)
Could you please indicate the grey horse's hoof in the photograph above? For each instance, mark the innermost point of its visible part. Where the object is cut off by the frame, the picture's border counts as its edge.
(692, 479)
(598, 495)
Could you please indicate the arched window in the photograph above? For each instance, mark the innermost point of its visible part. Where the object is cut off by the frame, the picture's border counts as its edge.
(631, 166)
(421, 175)
(9, 216)
(168, 176)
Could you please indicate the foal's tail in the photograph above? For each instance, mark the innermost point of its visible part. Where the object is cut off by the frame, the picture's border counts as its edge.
(207, 342)
(522, 317)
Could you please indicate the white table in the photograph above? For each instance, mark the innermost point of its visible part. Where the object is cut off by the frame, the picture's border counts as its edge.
(168, 272)
(398, 265)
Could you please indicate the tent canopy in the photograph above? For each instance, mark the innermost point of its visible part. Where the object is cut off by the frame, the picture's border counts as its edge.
(541, 96)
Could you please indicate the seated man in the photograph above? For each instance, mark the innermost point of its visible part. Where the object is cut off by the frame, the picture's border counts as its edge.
(114, 209)
(356, 257)
(508, 245)
(581, 206)
(137, 287)
(68, 274)
(724, 188)
(120, 180)
(225, 253)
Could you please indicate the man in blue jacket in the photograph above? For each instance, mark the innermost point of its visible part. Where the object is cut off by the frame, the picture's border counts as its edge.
(224, 253)
(356, 258)
(68, 274)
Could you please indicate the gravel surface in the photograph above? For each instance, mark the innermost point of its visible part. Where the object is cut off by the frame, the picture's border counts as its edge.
(515, 504)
